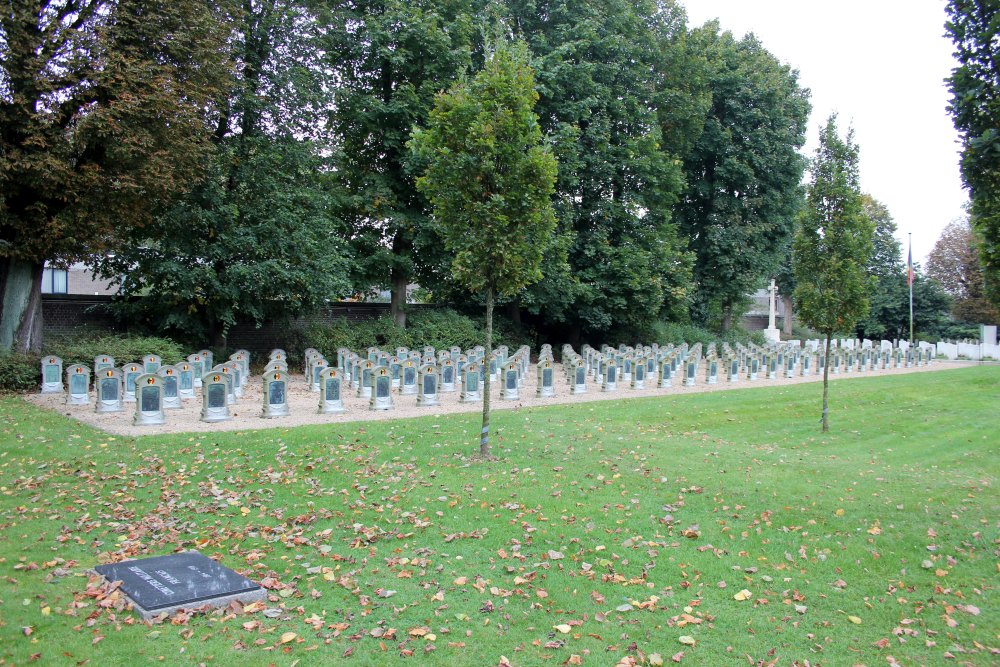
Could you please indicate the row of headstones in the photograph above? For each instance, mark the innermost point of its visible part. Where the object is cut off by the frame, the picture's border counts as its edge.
(151, 385)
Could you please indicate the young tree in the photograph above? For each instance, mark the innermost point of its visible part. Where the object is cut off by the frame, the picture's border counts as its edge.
(744, 172)
(833, 245)
(490, 180)
(105, 109)
(954, 263)
(974, 26)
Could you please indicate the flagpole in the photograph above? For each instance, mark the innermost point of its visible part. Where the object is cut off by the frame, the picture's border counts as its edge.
(909, 279)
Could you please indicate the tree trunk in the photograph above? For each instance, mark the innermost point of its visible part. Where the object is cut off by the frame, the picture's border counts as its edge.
(398, 280)
(825, 419)
(217, 335)
(727, 318)
(21, 302)
(786, 323)
(397, 297)
(484, 438)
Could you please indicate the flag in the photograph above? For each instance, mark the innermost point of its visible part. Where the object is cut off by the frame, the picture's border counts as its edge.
(909, 267)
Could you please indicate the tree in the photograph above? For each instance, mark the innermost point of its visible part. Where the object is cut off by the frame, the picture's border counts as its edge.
(974, 26)
(743, 172)
(389, 58)
(104, 110)
(954, 263)
(264, 213)
(615, 99)
(490, 180)
(833, 245)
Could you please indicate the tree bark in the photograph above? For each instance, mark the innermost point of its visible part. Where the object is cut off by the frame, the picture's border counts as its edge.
(825, 419)
(484, 438)
(217, 335)
(21, 303)
(514, 312)
(398, 280)
(786, 323)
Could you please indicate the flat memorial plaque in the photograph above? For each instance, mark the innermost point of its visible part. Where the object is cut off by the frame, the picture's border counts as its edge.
(179, 581)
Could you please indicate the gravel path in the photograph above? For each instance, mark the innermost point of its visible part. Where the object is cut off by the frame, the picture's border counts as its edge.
(246, 413)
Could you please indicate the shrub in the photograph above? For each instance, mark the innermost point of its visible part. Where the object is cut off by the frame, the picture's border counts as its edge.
(20, 373)
(677, 333)
(124, 348)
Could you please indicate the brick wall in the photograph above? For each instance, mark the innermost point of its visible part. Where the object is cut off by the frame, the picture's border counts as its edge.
(73, 313)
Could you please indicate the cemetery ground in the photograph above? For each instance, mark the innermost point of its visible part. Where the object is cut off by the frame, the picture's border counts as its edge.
(707, 529)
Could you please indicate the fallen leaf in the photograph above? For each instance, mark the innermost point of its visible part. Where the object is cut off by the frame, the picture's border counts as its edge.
(854, 619)
(563, 628)
(743, 595)
(288, 637)
(687, 640)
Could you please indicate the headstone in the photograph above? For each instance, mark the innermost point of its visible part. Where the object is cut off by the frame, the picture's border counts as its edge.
(365, 378)
(806, 360)
(448, 372)
(275, 394)
(78, 385)
(185, 380)
(103, 361)
(208, 359)
(108, 384)
(427, 382)
(197, 367)
(408, 380)
(187, 580)
(151, 363)
(691, 372)
(52, 374)
(331, 384)
(639, 375)
(149, 400)
(711, 371)
(276, 366)
(395, 368)
(665, 373)
(471, 392)
(579, 381)
(610, 380)
(317, 367)
(790, 367)
(753, 367)
(277, 354)
(546, 380)
(381, 389)
(510, 386)
(171, 387)
(214, 404)
(129, 373)
(733, 366)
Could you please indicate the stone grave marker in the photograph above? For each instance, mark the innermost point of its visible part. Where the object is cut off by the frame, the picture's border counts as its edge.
(510, 384)
(733, 370)
(198, 368)
(790, 366)
(579, 381)
(610, 380)
(665, 374)
(395, 366)
(103, 361)
(381, 389)
(331, 385)
(275, 395)
(471, 391)
(753, 367)
(171, 387)
(427, 382)
(207, 358)
(78, 383)
(276, 366)
(639, 375)
(805, 364)
(214, 403)
(187, 580)
(448, 372)
(277, 354)
(365, 378)
(372, 353)
(690, 371)
(149, 400)
(546, 380)
(129, 373)
(52, 374)
(151, 363)
(408, 380)
(108, 384)
(317, 367)
(711, 370)
(185, 380)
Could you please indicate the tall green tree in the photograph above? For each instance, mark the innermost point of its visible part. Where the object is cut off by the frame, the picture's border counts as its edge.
(618, 104)
(264, 214)
(105, 109)
(490, 180)
(389, 58)
(974, 26)
(743, 173)
(833, 245)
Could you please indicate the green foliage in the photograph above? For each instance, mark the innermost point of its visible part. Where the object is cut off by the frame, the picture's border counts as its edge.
(489, 177)
(954, 264)
(19, 372)
(678, 333)
(833, 245)
(125, 349)
(620, 98)
(974, 26)
(104, 108)
(744, 171)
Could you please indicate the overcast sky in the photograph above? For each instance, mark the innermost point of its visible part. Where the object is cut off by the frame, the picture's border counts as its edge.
(880, 64)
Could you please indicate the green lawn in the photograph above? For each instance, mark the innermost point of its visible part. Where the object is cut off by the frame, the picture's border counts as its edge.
(628, 524)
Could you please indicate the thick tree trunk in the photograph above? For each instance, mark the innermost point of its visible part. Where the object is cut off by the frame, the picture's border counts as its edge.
(825, 419)
(397, 297)
(514, 312)
(20, 305)
(484, 438)
(786, 323)
(217, 335)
